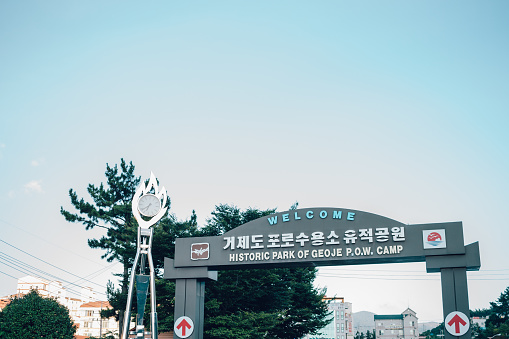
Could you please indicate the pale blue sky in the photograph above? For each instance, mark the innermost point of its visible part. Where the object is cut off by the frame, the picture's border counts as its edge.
(398, 108)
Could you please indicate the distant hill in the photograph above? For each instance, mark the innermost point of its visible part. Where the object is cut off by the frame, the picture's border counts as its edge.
(363, 321)
(427, 326)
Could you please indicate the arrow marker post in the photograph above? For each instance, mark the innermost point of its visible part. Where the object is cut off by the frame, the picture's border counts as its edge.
(457, 323)
(184, 327)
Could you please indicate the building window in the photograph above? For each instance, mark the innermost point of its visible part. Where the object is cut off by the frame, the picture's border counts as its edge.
(381, 332)
(342, 315)
(342, 327)
(105, 323)
(89, 313)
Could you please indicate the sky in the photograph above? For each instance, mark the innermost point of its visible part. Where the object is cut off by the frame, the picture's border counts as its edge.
(398, 108)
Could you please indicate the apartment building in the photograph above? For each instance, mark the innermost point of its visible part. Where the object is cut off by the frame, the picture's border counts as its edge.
(90, 322)
(341, 325)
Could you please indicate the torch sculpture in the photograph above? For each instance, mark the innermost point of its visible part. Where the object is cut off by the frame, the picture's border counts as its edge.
(148, 206)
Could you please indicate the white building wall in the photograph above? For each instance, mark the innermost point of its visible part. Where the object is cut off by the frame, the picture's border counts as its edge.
(90, 322)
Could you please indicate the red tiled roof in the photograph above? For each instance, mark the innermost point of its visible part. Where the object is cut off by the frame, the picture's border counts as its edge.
(4, 302)
(98, 304)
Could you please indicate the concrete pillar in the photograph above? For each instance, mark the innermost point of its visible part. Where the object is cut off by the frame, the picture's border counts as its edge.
(190, 302)
(455, 295)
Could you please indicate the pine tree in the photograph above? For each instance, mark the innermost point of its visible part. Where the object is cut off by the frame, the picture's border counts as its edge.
(111, 209)
(498, 321)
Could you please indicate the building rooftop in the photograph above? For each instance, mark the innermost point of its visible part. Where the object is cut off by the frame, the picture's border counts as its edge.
(98, 304)
(388, 316)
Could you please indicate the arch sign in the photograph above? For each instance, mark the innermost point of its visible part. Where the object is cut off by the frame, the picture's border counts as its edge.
(322, 237)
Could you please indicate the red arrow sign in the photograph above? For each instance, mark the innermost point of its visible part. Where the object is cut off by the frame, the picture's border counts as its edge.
(184, 325)
(456, 321)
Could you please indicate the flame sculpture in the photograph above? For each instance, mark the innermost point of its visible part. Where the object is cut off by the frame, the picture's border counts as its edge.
(142, 190)
(152, 210)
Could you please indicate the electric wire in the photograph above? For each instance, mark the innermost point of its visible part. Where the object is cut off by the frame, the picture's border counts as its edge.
(33, 271)
(49, 242)
(96, 273)
(397, 271)
(397, 277)
(9, 275)
(61, 269)
(423, 274)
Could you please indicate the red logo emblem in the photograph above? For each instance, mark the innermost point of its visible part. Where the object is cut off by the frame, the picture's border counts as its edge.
(434, 236)
(200, 251)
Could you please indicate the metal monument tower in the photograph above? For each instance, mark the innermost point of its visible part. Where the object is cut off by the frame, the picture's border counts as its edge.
(148, 207)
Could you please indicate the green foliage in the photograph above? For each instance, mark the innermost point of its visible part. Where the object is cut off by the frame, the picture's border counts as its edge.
(111, 209)
(241, 325)
(500, 313)
(483, 312)
(367, 335)
(33, 316)
(227, 217)
(497, 322)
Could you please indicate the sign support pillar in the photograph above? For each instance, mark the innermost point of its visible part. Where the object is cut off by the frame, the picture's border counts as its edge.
(189, 294)
(192, 305)
(455, 295)
(453, 272)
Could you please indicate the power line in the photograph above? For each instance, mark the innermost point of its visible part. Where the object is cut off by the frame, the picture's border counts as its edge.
(375, 278)
(399, 271)
(393, 277)
(33, 271)
(49, 242)
(74, 275)
(96, 273)
(422, 274)
(9, 275)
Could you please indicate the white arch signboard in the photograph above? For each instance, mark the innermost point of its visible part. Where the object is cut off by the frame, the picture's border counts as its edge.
(322, 237)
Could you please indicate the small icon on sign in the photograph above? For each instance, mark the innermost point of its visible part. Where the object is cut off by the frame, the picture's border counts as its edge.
(457, 323)
(183, 327)
(200, 251)
(434, 239)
